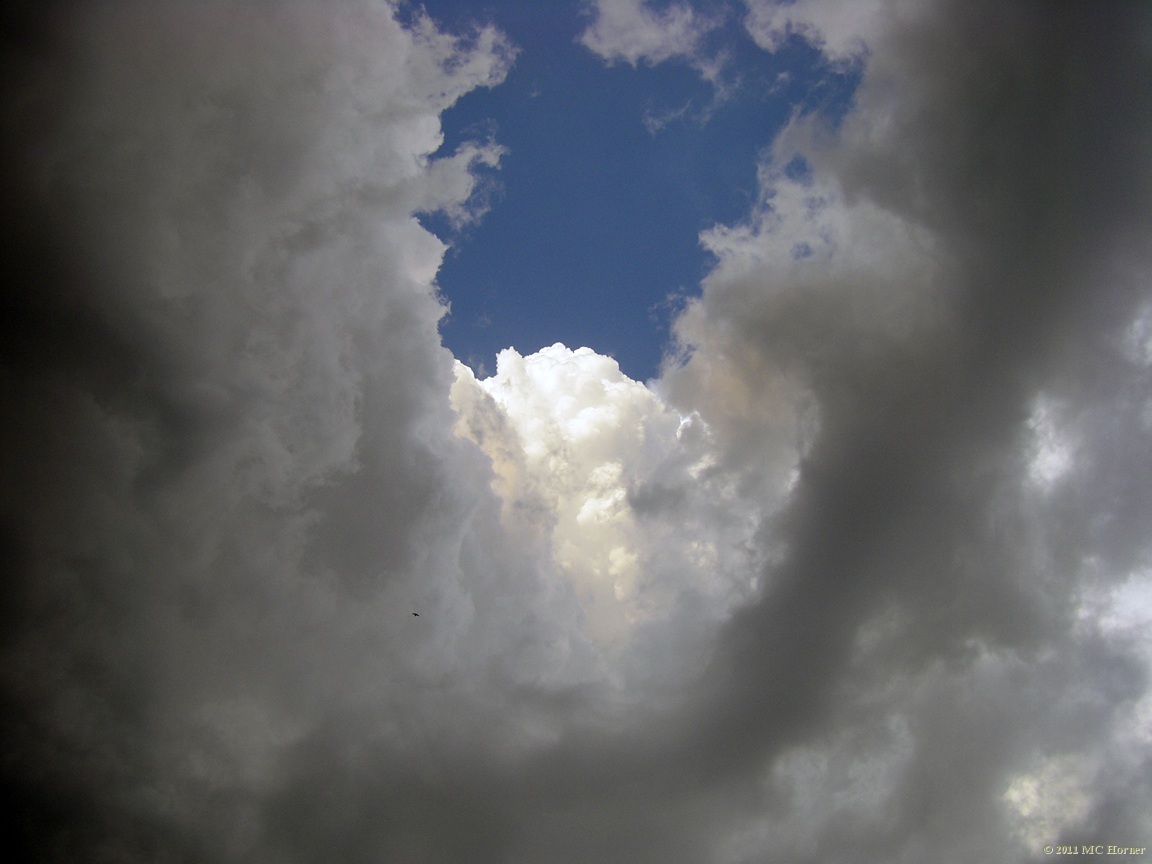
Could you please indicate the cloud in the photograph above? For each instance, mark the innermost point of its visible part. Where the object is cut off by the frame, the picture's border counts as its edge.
(636, 31)
(633, 32)
(842, 30)
(624, 492)
(944, 283)
(230, 473)
(862, 576)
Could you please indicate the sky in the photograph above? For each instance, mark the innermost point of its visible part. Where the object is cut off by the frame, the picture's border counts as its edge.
(549, 433)
(629, 159)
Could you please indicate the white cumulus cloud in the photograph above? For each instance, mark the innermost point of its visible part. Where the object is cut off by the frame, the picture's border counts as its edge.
(627, 494)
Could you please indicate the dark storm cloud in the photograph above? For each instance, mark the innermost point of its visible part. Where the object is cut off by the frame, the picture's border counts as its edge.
(215, 285)
(230, 471)
(1017, 137)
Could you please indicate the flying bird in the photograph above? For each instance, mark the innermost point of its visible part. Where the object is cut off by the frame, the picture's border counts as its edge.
(415, 614)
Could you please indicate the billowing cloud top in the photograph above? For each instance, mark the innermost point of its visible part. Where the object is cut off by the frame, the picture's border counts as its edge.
(863, 576)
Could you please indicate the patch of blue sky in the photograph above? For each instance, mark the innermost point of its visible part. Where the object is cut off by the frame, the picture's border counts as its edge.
(610, 174)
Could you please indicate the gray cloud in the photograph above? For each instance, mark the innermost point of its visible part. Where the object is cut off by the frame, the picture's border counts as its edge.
(232, 468)
(911, 503)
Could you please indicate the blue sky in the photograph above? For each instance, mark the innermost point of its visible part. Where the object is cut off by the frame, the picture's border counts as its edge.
(611, 173)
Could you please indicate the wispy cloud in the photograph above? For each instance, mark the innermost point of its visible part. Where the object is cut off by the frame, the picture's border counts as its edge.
(634, 32)
(842, 29)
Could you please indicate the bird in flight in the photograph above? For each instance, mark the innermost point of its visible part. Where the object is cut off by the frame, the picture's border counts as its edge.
(415, 614)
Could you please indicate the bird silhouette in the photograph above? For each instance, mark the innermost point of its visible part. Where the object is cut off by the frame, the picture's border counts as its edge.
(415, 614)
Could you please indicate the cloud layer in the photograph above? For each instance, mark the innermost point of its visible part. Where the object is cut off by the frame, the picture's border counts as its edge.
(863, 576)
